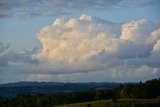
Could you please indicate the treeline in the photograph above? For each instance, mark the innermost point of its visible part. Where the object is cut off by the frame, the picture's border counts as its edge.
(148, 90)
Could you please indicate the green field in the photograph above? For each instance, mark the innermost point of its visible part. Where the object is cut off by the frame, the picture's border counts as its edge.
(118, 103)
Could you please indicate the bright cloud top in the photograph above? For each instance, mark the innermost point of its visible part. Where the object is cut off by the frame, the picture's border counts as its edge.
(75, 40)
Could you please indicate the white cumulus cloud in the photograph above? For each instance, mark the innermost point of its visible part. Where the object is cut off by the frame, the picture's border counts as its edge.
(88, 46)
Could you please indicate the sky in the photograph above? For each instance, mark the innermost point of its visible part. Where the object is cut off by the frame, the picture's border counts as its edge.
(79, 40)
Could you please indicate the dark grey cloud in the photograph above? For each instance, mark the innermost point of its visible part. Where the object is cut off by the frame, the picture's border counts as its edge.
(31, 8)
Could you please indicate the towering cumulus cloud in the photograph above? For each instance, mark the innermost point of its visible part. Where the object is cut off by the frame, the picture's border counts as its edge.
(88, 49)
(91, 44)
(76, 40)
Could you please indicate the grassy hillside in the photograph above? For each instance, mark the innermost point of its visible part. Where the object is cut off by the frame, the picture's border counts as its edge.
(118, 103)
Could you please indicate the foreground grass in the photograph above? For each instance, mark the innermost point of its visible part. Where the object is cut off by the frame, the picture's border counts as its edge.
(118, 103)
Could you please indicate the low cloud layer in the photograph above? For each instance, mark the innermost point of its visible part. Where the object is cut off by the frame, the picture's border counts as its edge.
(7, 56)
(91, 49)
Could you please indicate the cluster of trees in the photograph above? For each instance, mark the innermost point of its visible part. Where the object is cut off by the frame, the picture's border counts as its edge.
(149, 89)
(41, 100)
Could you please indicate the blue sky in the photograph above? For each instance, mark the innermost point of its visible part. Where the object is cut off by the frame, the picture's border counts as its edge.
(21, 23)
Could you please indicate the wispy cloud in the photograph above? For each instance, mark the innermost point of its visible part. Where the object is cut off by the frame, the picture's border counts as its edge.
(32, 8)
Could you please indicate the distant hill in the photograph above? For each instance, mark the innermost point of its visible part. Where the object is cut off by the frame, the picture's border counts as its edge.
(13, 89)
(142, 94)
(24, 83)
